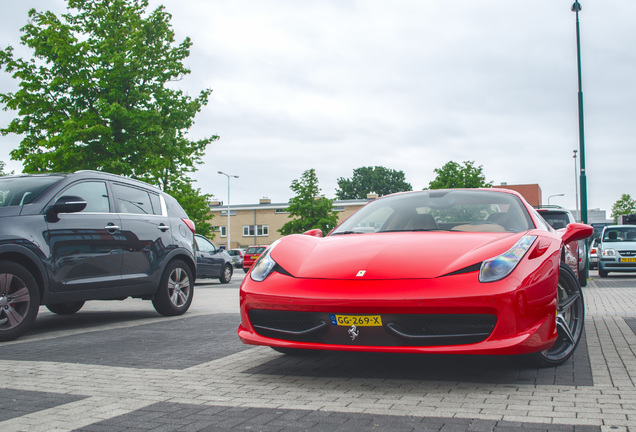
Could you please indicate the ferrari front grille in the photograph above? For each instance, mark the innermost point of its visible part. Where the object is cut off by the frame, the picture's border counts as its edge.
(396, 329)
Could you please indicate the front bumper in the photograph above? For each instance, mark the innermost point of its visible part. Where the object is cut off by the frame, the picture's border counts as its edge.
(453, 314)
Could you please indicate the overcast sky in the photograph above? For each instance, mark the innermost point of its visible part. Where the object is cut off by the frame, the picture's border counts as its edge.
(405, 84)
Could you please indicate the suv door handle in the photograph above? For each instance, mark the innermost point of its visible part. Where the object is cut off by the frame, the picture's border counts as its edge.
(163, 227)
(111, 227)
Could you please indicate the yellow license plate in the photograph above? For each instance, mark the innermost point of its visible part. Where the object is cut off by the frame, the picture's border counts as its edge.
(255, 257)
(628, 259)
(357, 320)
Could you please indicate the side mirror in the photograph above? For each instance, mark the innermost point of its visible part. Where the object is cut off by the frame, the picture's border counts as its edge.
(65, 204)
(575, 232)
(314, 232)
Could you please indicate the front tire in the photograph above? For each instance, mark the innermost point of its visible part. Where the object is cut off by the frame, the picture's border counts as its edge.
(65, 308)
(176, 290)
(226, 276)
(602, 273)
(569, 321)
(19, 300)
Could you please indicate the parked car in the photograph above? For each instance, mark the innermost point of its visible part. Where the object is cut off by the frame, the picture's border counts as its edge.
(574, 253)
(617, 251)
(212, 262)
(69, 238)
(593, 255)
(476, 283)
(251, 255)
(237, 256)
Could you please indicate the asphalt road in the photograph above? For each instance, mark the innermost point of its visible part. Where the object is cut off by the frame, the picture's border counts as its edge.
(118, 366)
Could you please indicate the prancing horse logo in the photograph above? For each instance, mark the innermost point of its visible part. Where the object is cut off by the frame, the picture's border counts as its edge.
(354, 332)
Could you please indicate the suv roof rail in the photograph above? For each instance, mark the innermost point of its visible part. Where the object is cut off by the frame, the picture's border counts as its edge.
(119, 176)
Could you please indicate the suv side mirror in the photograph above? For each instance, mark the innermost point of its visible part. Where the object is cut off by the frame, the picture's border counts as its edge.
(576, 231)
(65, 204)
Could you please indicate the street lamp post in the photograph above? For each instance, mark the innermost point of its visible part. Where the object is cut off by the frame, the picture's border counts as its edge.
(576, 187)
(576, 7)
(228, 207)
(554, 196)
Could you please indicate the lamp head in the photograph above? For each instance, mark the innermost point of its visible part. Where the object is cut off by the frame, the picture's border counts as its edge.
(576, 7)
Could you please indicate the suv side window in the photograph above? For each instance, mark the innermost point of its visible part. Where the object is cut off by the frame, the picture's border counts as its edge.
(131, 200)
(94, 193)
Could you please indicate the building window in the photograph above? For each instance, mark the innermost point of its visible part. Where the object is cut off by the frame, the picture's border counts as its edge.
(280, 210)
(255, 230)
(223, 231)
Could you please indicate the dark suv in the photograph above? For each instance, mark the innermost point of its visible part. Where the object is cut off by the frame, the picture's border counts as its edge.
(68, 238)
(574, 253)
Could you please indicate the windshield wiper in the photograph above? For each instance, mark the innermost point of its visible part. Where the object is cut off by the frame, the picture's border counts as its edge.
(348, 232)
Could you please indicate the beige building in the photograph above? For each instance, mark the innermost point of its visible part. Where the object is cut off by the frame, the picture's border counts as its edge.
(258, 224)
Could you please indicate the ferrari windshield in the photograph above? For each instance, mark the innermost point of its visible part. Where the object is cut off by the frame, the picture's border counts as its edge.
(441, 210)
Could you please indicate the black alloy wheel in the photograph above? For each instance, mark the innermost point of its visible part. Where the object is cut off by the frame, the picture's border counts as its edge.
(569, 321)
(19, 300)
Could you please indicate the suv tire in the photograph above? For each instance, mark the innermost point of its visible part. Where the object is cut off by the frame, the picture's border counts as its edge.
(65, 308)
(19, 300)
(176, 289)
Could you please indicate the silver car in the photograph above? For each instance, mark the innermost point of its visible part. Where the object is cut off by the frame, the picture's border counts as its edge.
(617, 250)
(236, 255)
(593, 256)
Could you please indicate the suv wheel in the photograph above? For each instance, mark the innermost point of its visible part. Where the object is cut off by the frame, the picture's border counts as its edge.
(226, 277)
(176, 289)
(19, 300)
(602, 273)
(569, 321)
(65, 308)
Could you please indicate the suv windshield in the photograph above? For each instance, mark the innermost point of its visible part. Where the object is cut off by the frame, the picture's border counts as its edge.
(556, 219)
(17, 191)
(620, 234)
(447, 210)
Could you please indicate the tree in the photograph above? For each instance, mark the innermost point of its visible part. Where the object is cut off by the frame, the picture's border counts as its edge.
(309, 209)
(454, 175)
(2, 173)
(366, 180)
(98, 94)
(624, 206)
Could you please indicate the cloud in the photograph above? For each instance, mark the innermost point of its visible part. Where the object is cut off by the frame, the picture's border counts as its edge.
(410, 85)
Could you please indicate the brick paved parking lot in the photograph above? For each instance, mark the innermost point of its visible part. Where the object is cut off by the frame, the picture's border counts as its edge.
(118, 366)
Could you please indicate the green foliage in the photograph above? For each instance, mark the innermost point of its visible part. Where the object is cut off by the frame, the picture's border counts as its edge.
(624, 206)
(195, 204)
(454, 176)
(309, 209)
(98, 94)
(366, 180)
(2, 173)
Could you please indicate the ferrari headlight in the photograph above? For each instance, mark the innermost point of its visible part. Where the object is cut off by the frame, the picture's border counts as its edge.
(264, 265)
(609, 252)
(499, 267)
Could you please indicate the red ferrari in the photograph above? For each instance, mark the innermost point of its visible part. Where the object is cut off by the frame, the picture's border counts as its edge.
(487, 279)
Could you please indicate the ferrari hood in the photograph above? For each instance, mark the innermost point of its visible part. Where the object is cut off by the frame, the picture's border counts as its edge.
(403, 255)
